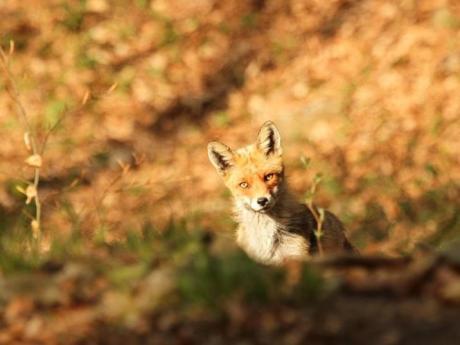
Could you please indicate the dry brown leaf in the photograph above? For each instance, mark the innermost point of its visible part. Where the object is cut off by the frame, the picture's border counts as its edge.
(27, 141)
(85, 97)
(35, 228)
(11, 49)
(113, 87)
(31, 193)
(34, 160)
(21, 190)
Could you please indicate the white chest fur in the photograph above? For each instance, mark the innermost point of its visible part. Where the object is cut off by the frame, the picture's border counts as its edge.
(267, 240)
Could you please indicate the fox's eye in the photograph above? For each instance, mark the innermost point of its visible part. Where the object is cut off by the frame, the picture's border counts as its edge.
(244, 185)
(269, 177)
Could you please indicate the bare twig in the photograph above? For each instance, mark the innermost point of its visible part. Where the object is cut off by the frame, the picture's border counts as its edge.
(318, 213)
(30, 134)
(14, 94)
(31, 137)
(99, 201)
(88, 98)
(49, 132)
(365, 262)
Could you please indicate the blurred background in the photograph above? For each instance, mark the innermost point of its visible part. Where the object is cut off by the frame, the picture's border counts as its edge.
(128, 94)
(368, 90)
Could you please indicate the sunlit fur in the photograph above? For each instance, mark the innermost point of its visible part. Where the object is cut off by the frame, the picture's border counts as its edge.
(281, 230)
(251, 166)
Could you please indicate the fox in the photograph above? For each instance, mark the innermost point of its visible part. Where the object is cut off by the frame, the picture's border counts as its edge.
(274, 228)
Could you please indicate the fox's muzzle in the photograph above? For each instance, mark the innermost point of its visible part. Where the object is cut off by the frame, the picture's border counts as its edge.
(262, 203)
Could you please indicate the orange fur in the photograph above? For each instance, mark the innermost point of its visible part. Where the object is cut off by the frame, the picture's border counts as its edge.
(273, 227)
(251, 166)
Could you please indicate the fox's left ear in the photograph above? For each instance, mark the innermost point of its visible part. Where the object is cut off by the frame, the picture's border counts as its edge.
(269, 140)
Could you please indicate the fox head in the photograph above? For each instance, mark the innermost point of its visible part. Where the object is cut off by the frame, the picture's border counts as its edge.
(254, 174)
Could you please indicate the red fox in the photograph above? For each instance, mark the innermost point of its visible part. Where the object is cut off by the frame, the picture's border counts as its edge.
(273, 227)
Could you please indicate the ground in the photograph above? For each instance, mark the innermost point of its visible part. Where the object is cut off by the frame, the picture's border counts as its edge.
(127, 96)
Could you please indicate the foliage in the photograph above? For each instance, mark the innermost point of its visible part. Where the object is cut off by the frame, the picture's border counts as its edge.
(128, 215)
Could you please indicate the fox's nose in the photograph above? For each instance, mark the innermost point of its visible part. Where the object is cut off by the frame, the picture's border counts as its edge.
(262, 201)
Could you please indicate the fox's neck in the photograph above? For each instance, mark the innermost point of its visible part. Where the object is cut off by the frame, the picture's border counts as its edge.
(273, 236)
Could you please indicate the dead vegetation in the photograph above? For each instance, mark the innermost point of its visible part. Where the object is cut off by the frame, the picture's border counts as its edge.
(126, 98)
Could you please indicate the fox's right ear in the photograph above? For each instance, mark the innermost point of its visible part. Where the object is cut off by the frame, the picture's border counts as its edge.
(220, 155)
(269, 139)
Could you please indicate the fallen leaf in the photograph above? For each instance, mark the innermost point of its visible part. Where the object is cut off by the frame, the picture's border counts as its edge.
(11, 49)
(85, 97)
(21, 190)
(27, 141)
(35, 228)
(34, 161)
(31, 193)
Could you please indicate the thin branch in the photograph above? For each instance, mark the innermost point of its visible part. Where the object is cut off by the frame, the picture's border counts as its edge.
(98, 202)
(31, 133)
(318, 214)
(367, 262)
(15, 96)
(49, 132)
(87, 99)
